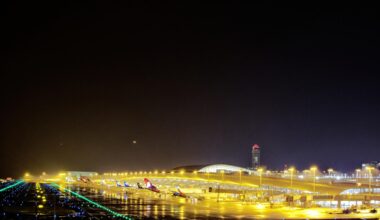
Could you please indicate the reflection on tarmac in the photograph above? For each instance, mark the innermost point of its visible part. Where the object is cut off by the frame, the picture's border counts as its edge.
(91, 201)
(145, 204)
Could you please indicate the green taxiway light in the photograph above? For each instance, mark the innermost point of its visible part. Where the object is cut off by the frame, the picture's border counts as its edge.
(93, 202)
(11, 186)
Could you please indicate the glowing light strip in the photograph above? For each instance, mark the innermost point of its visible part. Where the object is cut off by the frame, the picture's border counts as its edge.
(11, 186)
(92, 202)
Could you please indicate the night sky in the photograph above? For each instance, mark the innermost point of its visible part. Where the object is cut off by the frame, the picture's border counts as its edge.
(190, 83)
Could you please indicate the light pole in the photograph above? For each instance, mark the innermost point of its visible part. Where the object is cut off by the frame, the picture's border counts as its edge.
(314, 169)
(240, 176)
(369, 178)
(260, 174)
(195, 172)
(222, 172)
(330, 171)
(357, 175)
(218, 193)
(291, 170)
(241, 188)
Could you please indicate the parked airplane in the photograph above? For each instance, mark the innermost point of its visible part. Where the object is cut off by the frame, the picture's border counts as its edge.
(150, 186)
(118, 184)
(179, 193)
(84, 179)
(139, 186)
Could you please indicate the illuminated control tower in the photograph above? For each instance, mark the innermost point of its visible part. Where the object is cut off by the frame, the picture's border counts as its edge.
(255, 156)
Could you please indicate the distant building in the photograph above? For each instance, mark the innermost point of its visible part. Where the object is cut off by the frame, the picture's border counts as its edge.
(78, 174)
(255, 156)
(374, 164)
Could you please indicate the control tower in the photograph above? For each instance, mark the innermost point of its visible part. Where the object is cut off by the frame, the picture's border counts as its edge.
(255, 156)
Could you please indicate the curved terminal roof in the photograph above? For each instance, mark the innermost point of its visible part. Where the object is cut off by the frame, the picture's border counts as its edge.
(214, 168)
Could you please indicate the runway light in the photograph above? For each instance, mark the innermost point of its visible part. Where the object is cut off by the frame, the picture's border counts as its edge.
(98, 205)
(11, 186)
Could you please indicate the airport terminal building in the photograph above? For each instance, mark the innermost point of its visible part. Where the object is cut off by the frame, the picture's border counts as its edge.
(213, 168)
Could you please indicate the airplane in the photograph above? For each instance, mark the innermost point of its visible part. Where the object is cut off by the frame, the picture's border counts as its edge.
(195, 196)
(139, 186)
(118, 184)
(150, 186)
(84, 179)
(179, 193)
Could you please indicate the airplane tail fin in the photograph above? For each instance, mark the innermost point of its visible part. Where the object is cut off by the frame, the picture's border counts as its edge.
(148, 183)
(179, 190)
(150, 186)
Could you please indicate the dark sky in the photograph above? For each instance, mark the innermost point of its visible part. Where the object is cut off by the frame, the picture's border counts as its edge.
(191, 83)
